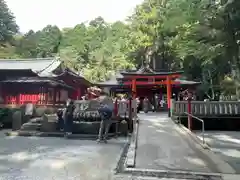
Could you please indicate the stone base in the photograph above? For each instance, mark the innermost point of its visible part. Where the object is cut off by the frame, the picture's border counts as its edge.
(86, 127)
(31, 126)
(49, 123)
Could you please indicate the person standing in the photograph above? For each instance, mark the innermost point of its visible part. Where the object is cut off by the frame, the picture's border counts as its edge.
(146, 105)
(68, 116)
(60, 119)
(106, 111)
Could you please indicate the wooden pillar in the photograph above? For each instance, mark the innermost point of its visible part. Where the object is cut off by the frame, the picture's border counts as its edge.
(18, 98)
(59, 96)
(1, 95)
(130, 115)
(134, 88)
(46, 95)
(189, 109)
(169, 94)
(79, 94)
(54, 96)
(116, 107)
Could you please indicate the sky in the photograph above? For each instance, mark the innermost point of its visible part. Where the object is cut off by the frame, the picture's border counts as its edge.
(36, 14)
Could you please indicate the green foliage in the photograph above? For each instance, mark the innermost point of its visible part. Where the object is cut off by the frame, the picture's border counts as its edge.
(8, 26)
(200, 37)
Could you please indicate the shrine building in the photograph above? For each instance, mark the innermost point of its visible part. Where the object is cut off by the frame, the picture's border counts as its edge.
(42, 81)
(149, 81)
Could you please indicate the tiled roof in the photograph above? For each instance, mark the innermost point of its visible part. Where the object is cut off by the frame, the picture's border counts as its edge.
(114, 81)
(35, 80)
(147, 71)
(41, 66)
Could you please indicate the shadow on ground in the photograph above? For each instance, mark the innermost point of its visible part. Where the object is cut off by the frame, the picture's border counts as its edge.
(226, 144)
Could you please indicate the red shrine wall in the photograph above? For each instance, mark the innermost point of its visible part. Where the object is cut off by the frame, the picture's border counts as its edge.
(40, 95)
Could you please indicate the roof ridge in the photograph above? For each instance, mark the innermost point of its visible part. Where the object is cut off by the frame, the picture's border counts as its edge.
(28, 59)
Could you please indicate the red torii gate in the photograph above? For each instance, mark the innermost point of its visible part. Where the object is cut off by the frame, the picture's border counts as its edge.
(167, 80)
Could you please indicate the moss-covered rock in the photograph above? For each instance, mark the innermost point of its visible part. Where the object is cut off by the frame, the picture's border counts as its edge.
(6, 116)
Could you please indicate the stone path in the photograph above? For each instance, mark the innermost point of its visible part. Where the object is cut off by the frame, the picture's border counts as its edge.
(162, 146)
(33, 158)
(226, 144)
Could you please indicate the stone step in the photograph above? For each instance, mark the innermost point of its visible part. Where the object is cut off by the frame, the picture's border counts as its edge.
(36, 120)
(31, 126)
(171, 174)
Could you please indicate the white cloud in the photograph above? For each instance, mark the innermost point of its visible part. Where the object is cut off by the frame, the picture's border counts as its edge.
(36, 14)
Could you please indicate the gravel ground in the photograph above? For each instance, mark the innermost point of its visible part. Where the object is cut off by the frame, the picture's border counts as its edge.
(35, 158)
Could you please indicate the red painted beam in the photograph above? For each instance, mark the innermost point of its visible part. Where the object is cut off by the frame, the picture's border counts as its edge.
(150, 83)
(151, 77)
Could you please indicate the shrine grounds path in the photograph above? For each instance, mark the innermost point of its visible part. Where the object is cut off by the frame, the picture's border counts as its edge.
(225, 144)
(35, 158)
(162, 146)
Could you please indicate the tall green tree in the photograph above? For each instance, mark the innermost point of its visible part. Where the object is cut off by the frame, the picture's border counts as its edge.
(8, 26)
(199, 36)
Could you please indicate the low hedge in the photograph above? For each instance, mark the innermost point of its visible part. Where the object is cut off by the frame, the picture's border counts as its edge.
(6, 116)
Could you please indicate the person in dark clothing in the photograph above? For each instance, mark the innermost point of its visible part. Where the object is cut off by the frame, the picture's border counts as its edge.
(68, 117)
(60, 119)
(106, 111)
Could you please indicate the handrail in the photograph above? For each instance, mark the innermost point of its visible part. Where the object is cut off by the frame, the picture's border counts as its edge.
(203, 125)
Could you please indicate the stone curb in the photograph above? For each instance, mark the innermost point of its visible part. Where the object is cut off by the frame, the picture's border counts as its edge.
(122, 157)
(54, 134)
(221, 165)
(172, 174)
(134, 177)
(130, 160)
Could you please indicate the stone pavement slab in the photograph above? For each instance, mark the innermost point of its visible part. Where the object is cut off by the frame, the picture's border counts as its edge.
(162, 147)
(225, 144)
(230, 177)
(38, 158)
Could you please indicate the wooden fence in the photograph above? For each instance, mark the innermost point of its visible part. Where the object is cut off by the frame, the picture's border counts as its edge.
(206, 109)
